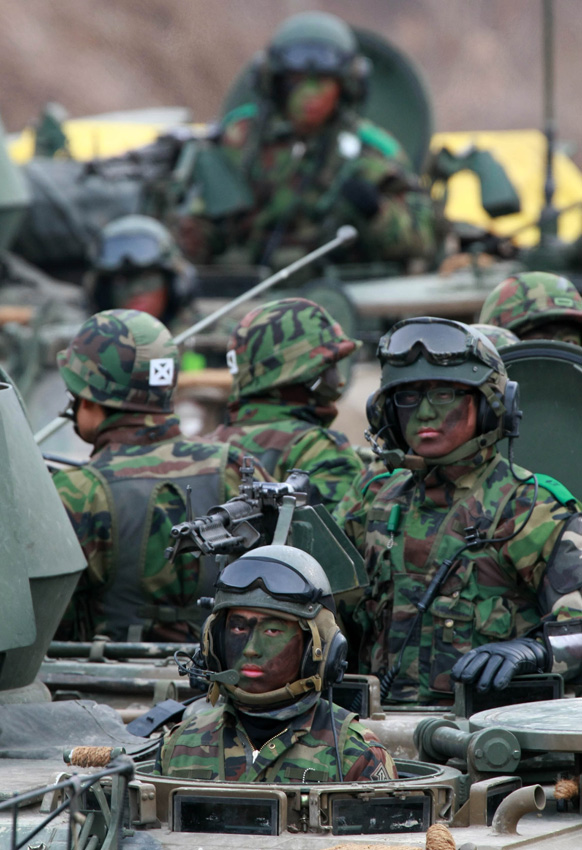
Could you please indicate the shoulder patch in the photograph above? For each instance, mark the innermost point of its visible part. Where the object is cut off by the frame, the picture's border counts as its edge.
(380, 774)
(375, 478)
(240, 113)
(376, 137)
(558, 490)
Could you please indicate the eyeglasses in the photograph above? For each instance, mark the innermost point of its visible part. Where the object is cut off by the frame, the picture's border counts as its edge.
(438, 342)
(279, 580)
(436, 395)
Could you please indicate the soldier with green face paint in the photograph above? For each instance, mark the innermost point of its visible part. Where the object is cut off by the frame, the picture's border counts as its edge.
(473, 562)
(138, 266)
(283, 357)
(273, 635)
(121, 370)
(536, 305)
(310, 164)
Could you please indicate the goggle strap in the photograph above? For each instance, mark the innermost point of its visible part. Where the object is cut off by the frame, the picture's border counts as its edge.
(316, 648)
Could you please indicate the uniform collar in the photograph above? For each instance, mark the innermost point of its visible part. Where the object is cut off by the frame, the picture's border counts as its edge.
(273, 409)
(130, 429)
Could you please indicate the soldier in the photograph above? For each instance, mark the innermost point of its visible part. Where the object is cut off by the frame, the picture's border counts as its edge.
(466, 552)
(138, 266)
(121, 370)
(273, 628)
(309, 163)
(283, 358)
(536, 305)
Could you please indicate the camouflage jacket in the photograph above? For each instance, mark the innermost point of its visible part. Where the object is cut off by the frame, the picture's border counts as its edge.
(499, 590)
(214, 745)
(285, 437)
(353, 172)
(123, 504)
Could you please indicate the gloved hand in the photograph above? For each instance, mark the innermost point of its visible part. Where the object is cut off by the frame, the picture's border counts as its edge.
(364, 196)
(495, 664)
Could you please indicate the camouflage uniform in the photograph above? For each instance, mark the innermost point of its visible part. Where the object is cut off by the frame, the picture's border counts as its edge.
(125, 501)
(408, 523)
(276, 352)
(297, 745)
(214, 745)
(526, 301)
(303, 188)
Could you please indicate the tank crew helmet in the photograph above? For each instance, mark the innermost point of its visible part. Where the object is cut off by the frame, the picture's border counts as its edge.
(429, 349)
(540, 303)
(500, 337)
(290, 583)
(288, 342)
(137, 265)
(122, 359)
(314, 43)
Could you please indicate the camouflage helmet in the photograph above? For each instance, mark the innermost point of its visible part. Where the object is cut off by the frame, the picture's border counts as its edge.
(428, 349)
(532, 298)
(290, 341)
(500, 337)
(122, 359)
(294, 585)
(315, 43)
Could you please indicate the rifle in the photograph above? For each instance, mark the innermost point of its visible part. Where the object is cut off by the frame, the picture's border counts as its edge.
(268, 512)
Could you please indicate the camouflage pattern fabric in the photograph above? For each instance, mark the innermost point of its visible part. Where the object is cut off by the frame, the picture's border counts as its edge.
(525, 300)
(497, 592)
(123, 359)
(498, 336)
(352, 172)
(131, 450)
(284, 342)
(285, 437)
(214, 745)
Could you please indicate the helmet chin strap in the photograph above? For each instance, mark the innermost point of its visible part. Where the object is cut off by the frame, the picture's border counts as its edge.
(398, 459)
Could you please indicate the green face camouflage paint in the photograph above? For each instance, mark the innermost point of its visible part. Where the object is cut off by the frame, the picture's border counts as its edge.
(265, 649)
(435, 430)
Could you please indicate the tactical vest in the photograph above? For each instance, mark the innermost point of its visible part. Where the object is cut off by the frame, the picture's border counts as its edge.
(217, 750)
(127, 605)
(464, 612)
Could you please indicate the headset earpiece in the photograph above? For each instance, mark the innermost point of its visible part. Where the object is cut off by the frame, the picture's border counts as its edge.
(487, 419)
(336, 663)
(513, 413)
(355, 79)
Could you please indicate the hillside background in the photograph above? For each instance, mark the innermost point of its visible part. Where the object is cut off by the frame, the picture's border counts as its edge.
(482, 59)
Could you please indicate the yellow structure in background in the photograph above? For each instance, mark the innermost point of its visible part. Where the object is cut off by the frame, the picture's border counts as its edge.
(523, 155)
(521, 152)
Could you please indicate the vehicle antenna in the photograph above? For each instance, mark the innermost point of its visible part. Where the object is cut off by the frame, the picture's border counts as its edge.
(548, 217)
(344, 235)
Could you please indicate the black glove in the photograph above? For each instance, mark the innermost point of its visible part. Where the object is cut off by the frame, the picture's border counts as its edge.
(364, 196)
(495, 664)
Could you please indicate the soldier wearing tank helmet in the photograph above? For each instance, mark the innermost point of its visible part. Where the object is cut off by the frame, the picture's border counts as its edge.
(138, 266)
(310, 163)
(121, 372)
(273, 650)
(473, 561)
(536, 305)
(283, 358)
